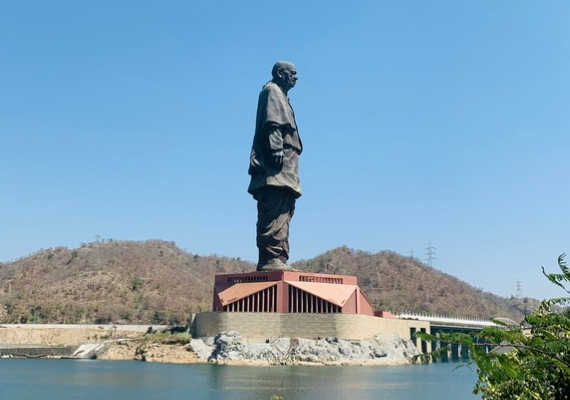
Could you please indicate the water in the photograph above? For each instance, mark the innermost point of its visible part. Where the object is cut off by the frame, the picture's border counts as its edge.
(131, 380)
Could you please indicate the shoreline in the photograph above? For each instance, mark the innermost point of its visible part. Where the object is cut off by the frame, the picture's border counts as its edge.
(225, 349)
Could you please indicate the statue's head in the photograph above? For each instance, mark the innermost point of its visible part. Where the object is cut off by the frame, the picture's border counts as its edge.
(284, 74)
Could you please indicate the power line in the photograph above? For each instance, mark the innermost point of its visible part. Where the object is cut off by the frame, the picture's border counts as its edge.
(454, 266)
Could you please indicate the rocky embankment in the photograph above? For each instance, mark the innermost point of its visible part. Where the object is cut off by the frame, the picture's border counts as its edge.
(225, 348)
(228, 348)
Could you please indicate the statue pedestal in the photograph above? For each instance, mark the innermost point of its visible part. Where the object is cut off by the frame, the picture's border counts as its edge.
(290, 292)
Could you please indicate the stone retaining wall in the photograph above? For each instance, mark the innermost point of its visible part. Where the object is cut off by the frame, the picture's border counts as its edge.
(257, 327)
(27, 351)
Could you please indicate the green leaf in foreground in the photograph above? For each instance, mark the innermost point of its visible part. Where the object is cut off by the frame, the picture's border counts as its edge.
(528, 362)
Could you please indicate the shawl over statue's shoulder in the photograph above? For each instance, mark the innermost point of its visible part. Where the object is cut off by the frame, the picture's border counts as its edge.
(273, 109)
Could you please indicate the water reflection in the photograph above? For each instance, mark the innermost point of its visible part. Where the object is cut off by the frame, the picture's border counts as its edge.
(130, 380)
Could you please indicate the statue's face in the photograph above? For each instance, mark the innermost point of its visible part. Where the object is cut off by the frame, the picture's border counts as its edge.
(288, 75)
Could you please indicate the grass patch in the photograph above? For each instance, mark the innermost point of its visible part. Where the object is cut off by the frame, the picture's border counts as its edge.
(167, 338)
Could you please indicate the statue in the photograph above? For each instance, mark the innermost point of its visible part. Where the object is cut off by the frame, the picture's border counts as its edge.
(274, 168)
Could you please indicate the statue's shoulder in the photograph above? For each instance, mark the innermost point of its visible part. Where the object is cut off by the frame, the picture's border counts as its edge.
(270, 93)
(272, 88)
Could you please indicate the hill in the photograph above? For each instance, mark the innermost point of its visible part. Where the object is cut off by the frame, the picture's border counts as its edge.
(111, 281)
(395, 282)
(156, 282)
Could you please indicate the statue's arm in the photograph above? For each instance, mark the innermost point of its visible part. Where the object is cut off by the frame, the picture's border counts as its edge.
(275, 146)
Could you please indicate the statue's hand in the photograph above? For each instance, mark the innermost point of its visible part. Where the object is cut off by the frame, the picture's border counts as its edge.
(277, 159)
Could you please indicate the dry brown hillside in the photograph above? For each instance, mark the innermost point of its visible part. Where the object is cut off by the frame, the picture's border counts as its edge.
(398, 283)
(111, 281)
(156, 282)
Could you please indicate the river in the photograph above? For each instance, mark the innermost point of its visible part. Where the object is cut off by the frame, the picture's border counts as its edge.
(23, 379)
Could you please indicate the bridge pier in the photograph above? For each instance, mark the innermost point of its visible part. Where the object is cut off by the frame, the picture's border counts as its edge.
(454, 352)
(419, 343)
(464, 352)
(436, 345)
(442, 324)
(445, 355)
(424, 344)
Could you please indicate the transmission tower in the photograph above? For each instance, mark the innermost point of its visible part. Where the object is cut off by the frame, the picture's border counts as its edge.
(519, 289)
(430, 255)
(96, 253)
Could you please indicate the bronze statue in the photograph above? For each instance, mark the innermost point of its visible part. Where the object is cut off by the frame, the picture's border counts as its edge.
(274, 168)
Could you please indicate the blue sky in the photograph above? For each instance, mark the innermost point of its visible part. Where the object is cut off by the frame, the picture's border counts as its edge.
(438, 122)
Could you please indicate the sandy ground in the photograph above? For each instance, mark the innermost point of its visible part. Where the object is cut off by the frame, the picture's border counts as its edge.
(176, 354)
(119, 351)
(130, 350)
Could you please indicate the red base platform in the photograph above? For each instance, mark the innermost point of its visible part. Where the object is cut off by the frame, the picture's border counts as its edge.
(290, 292)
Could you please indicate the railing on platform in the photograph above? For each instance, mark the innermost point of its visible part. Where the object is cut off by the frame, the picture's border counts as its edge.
(442, 319)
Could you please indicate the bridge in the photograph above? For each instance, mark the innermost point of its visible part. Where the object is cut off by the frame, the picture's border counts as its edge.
(441, 320)
(446, 324)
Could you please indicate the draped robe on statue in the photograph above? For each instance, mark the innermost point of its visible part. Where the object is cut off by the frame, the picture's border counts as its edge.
(274, 189)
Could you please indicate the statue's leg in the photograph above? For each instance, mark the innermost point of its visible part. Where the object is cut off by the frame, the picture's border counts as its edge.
(275, 207)
(283, 234)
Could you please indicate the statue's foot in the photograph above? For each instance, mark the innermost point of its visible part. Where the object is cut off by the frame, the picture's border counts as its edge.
(275, 264)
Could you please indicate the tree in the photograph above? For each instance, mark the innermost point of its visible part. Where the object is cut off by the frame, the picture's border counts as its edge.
(528, 362)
